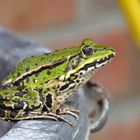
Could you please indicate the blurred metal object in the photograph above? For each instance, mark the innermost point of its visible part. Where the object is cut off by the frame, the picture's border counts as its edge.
(131, 10)
(98, 104)
(92, 98)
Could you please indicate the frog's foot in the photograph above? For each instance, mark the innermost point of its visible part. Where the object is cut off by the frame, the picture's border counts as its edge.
(69, 111)
(59, 117)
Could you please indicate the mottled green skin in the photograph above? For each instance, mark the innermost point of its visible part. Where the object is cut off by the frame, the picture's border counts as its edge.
(19, 98)
(36, 61)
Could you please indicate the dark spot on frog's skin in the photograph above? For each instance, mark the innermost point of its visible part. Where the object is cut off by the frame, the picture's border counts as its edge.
(60, 99)
(19, 105)
(34, 80)
(40, 94)
(66, 86)
(57, 111)
(41, 97)
(27, 69)
(33, 107)
(77, 81)
(18, 74)
(36, 74)
(27, 80)
(36, 64)
(2, 112)
(38, 90)
(81, 73)
(3, 106)
(72, 87)
(13, 114)
(16, 100)
(49, 100)
(45, 108)
(20, 88)
(48, 89)
(19, 94)
(42, 58)
(48, 72)
(26, 113)
(47, 53)
(20, 102)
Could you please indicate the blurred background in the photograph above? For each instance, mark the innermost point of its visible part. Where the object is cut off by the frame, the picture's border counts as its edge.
(58, 24)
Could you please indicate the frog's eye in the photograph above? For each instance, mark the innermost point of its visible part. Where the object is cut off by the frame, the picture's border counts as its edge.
(87, 51)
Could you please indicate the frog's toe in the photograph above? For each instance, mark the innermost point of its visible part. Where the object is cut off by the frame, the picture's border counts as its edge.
(59, 117)
(73, 114)
(70, 111)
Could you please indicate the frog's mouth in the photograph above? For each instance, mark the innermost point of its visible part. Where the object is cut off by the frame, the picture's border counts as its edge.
(99, 62)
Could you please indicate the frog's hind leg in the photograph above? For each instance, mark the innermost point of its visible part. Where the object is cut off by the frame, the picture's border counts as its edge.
(38, 115)
(59, 117)
(47, 115)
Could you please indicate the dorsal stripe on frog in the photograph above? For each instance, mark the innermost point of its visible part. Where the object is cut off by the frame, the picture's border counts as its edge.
(38, 69)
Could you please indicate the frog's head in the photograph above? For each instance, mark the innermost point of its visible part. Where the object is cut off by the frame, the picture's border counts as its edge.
(90, 58)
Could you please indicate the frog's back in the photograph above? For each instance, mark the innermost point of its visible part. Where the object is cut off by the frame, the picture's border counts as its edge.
(34, 62)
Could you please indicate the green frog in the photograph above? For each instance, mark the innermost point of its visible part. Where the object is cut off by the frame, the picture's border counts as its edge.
(38, 87)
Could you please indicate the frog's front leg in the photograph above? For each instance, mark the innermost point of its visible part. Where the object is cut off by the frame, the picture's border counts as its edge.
(48, 115)
(68, 111)
(54, 104)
